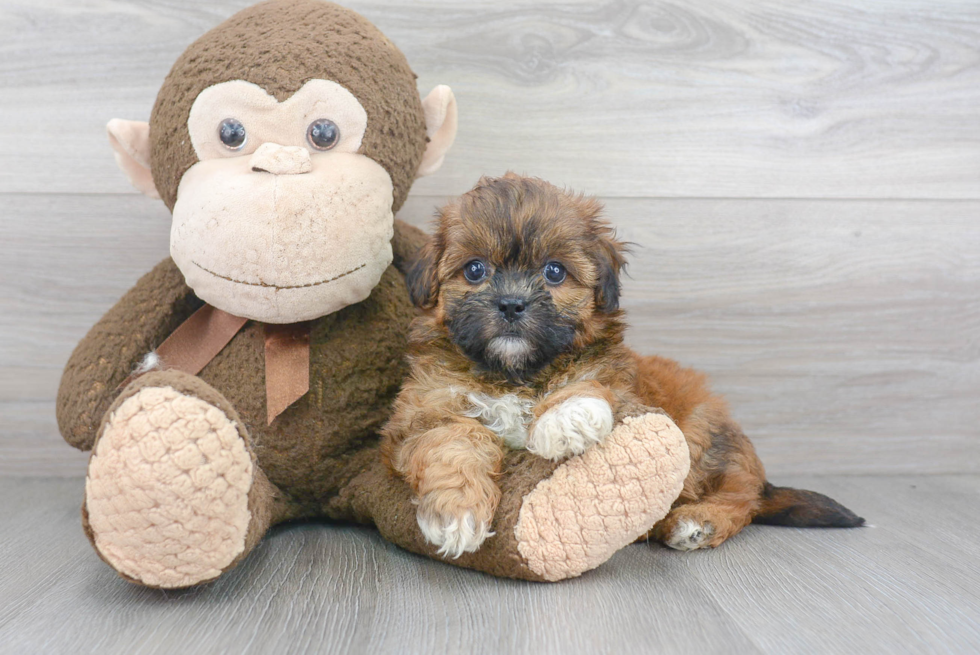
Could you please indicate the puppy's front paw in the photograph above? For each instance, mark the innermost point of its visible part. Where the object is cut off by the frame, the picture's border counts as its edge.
(570, 428)
(455, 530)
(689, 534)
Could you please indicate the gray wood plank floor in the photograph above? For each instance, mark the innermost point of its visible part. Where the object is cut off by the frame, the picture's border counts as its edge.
(911, 584)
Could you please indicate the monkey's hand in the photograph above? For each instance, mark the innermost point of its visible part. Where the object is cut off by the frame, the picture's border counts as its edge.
(569, 428)
(134, 326)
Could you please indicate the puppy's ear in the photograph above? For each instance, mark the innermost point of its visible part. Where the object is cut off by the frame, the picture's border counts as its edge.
(610, 256)
(422, 278)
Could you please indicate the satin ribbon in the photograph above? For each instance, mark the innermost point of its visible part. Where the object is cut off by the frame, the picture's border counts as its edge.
(201, 337)
(287, 365)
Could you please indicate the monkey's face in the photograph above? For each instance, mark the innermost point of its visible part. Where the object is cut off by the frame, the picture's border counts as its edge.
(283, 140)
(518, 273)
(281, 219)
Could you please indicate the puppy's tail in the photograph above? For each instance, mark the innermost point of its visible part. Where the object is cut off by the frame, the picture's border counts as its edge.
(799, 508)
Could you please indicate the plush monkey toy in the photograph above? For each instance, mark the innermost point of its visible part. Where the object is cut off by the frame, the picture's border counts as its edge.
(243, 381)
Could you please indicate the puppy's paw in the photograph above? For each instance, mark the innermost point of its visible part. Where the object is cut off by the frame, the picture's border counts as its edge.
(455, 531)
(689, 534)
(570, 428)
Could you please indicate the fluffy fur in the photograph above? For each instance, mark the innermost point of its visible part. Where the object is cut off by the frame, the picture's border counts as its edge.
(515, 359)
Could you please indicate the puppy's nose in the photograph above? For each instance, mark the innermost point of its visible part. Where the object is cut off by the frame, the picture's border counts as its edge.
(511, 308)
(280, 160)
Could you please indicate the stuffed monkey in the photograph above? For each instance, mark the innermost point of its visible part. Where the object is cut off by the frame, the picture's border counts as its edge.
(243, 381)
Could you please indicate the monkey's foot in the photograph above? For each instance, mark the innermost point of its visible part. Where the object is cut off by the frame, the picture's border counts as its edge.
(604, 499)
(167, 492)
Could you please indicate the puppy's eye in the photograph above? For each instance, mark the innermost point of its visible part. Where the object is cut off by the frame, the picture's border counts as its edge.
(323, 134)
(474, 271)
(554, 273)
(232, 133)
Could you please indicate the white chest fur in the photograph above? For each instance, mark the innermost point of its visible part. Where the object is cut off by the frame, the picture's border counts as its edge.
(507, 415)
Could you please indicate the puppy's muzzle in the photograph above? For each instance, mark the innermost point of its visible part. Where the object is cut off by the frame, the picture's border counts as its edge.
(512, 309)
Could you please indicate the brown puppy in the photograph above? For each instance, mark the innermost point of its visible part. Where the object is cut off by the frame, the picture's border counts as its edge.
(521, 345)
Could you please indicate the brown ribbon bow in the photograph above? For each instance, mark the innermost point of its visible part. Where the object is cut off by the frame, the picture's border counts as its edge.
(208, 330)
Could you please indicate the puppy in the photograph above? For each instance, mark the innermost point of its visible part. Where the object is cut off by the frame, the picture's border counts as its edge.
(520, 345)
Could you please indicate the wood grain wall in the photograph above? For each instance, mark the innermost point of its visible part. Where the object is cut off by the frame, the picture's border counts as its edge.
(802, 181)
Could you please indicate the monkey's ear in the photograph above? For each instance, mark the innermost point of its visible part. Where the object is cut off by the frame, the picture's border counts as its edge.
(422, 277)
(130, 141)
(611, 256)
(440, 126)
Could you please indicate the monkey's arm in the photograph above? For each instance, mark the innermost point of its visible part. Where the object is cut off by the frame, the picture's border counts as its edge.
(545, 522)
(406, 243)
(134, 326)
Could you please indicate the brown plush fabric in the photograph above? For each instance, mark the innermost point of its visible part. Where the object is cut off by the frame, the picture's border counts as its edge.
(393, 512)
(356, 366)
(137, 324)
(406, 244)
(267, 505)
(280, 45)
(319, 458)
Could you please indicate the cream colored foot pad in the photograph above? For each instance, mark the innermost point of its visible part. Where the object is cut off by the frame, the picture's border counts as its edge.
(167, 489)
(604, 499)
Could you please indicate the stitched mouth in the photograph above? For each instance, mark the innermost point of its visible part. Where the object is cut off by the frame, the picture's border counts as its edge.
(276, 287)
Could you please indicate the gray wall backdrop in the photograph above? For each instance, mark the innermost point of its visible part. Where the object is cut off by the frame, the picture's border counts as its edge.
(802, 181)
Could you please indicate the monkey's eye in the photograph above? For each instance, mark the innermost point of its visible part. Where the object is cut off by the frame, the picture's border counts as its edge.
(323, 134)
(554, 273)
(232, 133)
(474, 271)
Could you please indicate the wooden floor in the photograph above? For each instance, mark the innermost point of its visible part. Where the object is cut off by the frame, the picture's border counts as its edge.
(801, 181)
(910, 584)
